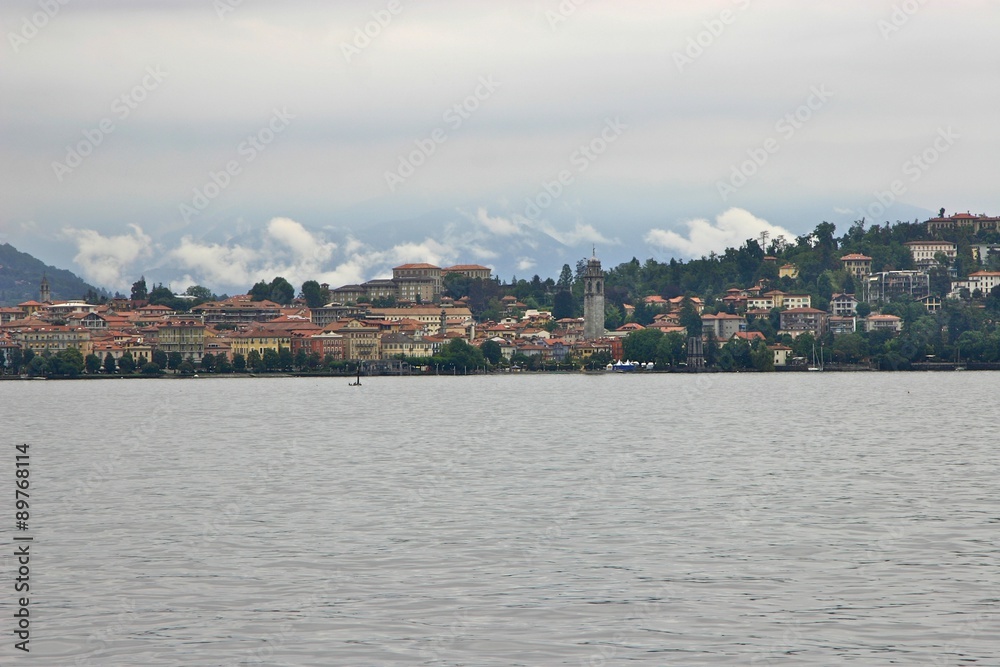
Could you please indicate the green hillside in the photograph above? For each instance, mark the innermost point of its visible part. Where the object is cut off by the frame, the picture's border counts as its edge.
(20, 275)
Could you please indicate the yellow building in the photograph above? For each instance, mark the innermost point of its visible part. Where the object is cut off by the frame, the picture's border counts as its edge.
(788, 271)
(859, 266)
(54, 338)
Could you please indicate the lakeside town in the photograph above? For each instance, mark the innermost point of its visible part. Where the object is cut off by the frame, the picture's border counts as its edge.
(916, 295)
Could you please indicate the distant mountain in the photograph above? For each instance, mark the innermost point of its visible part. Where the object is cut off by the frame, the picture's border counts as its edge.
(21, 275)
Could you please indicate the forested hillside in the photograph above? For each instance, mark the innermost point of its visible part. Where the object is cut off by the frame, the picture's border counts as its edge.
(20, 275)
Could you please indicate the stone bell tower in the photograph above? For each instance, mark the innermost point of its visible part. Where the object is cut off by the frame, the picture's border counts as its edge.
(44, 291)
(593, 299)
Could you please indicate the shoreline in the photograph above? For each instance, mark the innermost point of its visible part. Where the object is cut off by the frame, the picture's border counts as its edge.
(923, 368)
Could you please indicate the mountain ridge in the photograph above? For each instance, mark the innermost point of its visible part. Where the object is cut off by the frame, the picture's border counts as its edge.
(21, 275)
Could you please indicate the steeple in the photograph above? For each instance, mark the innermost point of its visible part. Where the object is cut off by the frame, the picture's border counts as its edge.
(593, 299)
(44, 292)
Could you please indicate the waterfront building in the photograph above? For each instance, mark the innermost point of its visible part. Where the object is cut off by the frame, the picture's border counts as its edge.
(186, 337)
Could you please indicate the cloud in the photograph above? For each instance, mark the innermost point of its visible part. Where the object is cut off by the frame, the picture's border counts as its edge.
(581, 233)
(731, 230)
(500, 226)
(525, 264)
(306, 246)
(104, 259)
(288, 249)
(216, 263)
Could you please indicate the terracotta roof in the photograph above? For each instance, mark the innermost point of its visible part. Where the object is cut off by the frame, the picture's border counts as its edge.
(416, 266)
(856, 257)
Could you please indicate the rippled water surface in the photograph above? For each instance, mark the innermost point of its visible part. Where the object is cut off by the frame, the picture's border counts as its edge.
(779, 519)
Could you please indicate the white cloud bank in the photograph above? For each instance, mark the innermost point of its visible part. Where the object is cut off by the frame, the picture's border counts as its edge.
(290, 250)
(731, 230)
(104, 259)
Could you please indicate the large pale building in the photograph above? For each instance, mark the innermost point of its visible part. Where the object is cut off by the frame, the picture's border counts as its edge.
(418, 282)
(925, 252)
(593, 300)
(859, 266)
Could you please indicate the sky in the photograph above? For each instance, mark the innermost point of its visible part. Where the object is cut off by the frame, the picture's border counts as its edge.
(220, 142)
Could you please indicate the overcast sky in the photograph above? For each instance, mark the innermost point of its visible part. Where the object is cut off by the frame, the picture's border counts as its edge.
(676, 129)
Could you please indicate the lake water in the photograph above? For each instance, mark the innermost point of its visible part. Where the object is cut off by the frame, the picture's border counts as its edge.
(737, 519)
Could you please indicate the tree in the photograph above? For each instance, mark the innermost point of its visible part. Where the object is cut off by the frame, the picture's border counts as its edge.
(110, 366)
(565, 281)
(562, 304)
(200, 294)
(671, 350)
(993, 300)
(127, 364)
(314, 361)
(313, 294)
(239, 362)
(641, 345)
(271, 360)
(763, 358)
(690, 319)
(186, 368)
(301, 359)
(151, 369)
(38, 366)
(160, 358)
(66, 363)
(849, 348)
(491, 352)
(139, 291)
(16, 360)
(598, 360)
(260, 291)
(863, 309)
(282, 291)
(174, 360)
(208, 362)
(255, 361)
(459, 355)
(93, 363)
(285, 359)
(163, 296)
